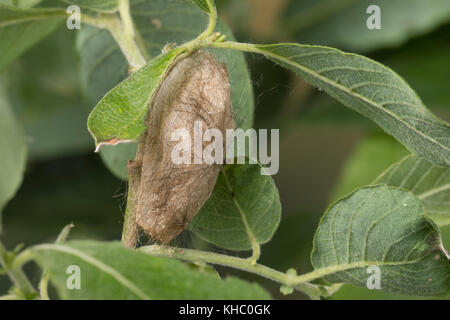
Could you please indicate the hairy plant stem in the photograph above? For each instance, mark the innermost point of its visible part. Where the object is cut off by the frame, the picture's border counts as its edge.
(122, 29)
(125, 35)
(43, 285)
(211, 23)
(130, 227)
(247, 47)
(125, 15)
(17, 276)
(300, 283)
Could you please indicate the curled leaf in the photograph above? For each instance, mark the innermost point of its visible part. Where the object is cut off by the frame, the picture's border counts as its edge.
(120, 115)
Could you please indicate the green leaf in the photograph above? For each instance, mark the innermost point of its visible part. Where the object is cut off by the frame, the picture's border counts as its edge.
(13, 153)
(205, 5)
(385, 227)
(21, 28)
(109, 271)
(96, 5)
(244, 207)
(343, 24)
(351, 292)
(120, 115)
(427, 76)
(370, 89)
(428, 182)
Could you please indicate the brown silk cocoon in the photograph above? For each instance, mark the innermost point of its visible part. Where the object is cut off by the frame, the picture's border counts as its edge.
(170, 195)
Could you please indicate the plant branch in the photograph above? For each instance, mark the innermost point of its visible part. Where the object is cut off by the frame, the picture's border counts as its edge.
(247, 47)
(312, 290)
(127, 44)
(212, 21)
(125, 14)
(130, 227)
(123, 31)
(101, 21)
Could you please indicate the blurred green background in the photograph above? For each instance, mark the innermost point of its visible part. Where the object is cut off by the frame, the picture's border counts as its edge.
(326, 150)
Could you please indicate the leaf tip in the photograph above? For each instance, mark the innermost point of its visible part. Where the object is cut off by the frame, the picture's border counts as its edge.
(110, 142)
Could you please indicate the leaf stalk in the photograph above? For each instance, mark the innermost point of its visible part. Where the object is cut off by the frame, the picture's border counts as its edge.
(313, 291)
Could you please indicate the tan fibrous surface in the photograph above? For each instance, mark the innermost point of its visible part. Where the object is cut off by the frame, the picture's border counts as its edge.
(170, 195)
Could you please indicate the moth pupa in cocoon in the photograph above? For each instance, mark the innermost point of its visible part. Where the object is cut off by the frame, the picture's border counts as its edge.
(195, 90)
